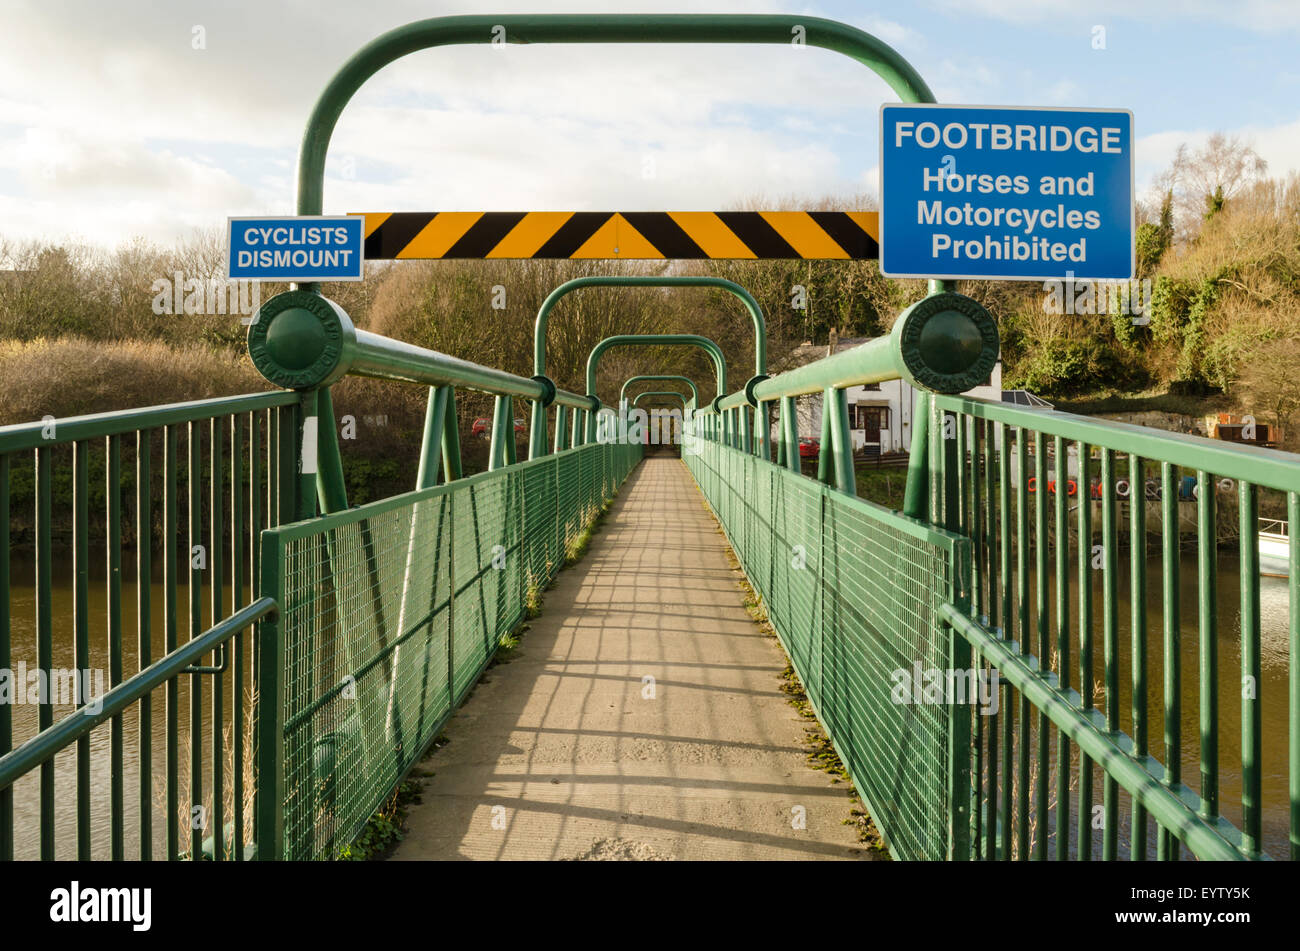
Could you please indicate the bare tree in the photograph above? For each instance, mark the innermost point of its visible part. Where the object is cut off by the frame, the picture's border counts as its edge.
(1204, 180)
(1270, 383)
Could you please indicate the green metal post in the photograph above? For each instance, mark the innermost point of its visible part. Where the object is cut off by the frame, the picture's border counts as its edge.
(1171, 552)
(537, 430)
(561, 428)
(331, 489)
(1062, 499)
(1138, 638)
(1110, 645)
(825, 449)
(1251, 671)
(835, 403)
(6, 710)
(1293, 680)
(269, 722)
(503, 434)
(1207, 572)
(916, 496)
(790, 433)
(1086, 694)
(435, 418)
(451, 460)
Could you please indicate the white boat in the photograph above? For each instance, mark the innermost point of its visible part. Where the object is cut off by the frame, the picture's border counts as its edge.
(1274, 548)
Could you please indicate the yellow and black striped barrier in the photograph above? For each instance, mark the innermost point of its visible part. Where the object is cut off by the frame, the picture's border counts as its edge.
(628, 235)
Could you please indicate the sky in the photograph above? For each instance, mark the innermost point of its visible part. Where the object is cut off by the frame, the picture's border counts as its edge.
(157, 118)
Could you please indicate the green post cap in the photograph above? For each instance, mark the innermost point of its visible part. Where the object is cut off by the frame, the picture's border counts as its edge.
(948, 342)
(299, 340)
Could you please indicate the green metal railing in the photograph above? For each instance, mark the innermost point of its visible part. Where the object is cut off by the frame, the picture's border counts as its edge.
(854, 592)
(1050, 507)
(381, 638)
(1081, 717)
(392, 610)
(187, 488)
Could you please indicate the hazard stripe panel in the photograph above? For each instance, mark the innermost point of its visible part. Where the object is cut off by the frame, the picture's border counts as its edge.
(626, 235)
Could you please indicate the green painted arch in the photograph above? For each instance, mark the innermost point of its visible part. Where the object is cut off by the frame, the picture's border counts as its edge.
(781, 30)
(656, 340)
(640, 396)
(662, 378)
(618, 280)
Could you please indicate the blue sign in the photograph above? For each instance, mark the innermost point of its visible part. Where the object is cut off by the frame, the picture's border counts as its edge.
(301, 249)
(1006, 193)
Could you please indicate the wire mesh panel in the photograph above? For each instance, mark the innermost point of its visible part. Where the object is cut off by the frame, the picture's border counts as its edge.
(854, 591)
(391, 611)
(367, 608)
(541, 523)
(881, 636)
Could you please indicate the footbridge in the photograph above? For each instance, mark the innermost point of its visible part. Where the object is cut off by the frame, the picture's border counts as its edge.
(1006, 669)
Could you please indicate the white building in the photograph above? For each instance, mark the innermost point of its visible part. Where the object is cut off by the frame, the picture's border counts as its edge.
(880, 415)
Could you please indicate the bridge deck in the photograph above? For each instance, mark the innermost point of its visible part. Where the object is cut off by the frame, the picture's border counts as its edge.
(560, 754)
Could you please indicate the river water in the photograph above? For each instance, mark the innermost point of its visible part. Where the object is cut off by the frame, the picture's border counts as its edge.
(26, 790)
(1272, 689)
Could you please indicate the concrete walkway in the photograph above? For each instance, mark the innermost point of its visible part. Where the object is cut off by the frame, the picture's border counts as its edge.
(570, 751)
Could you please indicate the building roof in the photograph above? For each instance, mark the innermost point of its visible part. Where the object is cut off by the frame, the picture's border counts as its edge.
(1024, 398)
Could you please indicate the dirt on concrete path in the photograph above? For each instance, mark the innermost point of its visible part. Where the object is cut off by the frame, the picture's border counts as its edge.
(641, 717)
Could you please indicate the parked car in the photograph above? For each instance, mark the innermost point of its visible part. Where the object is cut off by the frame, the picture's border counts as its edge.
(482, 426)
(809, 447)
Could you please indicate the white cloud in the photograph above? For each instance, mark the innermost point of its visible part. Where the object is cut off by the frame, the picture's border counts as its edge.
(1260, 15)
(110, 112)
(1278, 145)
(112, 124)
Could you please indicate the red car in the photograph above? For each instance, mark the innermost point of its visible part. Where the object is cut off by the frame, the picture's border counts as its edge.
(809, 447)
(483, 424)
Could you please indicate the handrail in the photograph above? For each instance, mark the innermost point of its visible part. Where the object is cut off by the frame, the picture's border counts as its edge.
(1272, 468)
(303, 341)
(21, 436)
(1042, 690)
(46, 744)
(946, 343)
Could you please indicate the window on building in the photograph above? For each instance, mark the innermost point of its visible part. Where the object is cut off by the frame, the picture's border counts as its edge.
(871, 419)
